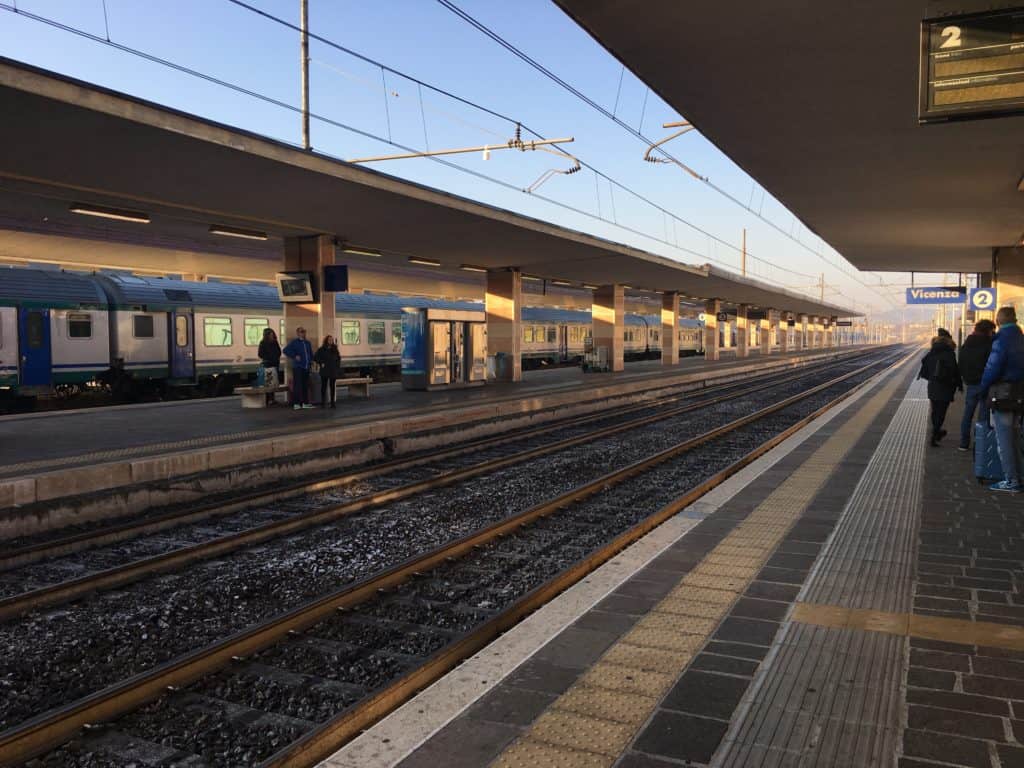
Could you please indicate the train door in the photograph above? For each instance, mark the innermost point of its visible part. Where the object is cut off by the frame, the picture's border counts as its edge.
(34, 342)
(458, 352)
(563, 343)
(440, 351)
(182, 339)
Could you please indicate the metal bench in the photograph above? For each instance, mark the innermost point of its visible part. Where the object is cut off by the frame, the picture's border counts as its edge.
(256, 397)
(358, 387)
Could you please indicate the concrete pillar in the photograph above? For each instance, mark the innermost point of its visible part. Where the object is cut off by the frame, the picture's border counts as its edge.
(783, 332)
(711, 309)
(503, 302)
(742, 331)
(766, 333)
(607, 316)
(670, 328)
(833, 338)
(310, 254)
(801, 332)
(815, 331)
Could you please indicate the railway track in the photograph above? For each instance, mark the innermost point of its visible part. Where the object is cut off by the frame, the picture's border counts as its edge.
(287, 691)
(152, 547)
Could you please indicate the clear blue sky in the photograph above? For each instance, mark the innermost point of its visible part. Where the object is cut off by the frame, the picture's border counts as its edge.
(424, 39)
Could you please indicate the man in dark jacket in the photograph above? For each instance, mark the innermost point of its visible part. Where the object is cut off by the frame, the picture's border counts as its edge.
(1006, 364)
(940, 370)
(973, 356)
(300, 352)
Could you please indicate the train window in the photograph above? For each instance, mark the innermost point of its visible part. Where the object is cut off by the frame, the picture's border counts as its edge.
(350, 332)
(79, 325)
(181, 331)
(142, 326)
(217, 331)
(552, 334)
(396, 333)
(34, 330)
(375, 333)
(528, 334)
(253, 328)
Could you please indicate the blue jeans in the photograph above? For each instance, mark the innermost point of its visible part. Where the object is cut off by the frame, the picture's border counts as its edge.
(1005, 423)
(972, 399)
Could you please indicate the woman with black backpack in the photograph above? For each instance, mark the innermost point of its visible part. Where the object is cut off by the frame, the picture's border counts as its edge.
(940, 370)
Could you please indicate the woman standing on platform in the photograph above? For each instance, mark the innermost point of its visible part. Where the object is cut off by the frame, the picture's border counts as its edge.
(940, 370)
(270, 358)
(329, 359)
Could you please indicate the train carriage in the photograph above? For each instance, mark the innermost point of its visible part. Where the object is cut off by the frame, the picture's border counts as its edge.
(54, 332)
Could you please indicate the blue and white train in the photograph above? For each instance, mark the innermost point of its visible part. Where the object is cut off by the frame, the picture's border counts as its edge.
(62, 332)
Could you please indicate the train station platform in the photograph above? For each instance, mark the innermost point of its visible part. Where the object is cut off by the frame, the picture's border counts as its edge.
(54, 455)
(849, 599)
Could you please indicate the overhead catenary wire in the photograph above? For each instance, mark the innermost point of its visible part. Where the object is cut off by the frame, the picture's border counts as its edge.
(290, 107)
(638, 134)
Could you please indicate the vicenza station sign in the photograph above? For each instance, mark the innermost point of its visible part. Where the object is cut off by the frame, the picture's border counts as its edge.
(939, 295)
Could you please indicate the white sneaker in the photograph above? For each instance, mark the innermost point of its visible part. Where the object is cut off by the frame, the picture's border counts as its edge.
(296, 407)
(306, 405)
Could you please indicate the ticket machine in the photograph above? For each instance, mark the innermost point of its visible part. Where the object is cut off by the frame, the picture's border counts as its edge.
(444, 348)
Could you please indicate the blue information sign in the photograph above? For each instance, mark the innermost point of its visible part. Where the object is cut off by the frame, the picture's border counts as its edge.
(936, 295)
(982, 299)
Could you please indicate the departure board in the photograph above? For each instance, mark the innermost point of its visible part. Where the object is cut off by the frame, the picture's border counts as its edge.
(972, 66)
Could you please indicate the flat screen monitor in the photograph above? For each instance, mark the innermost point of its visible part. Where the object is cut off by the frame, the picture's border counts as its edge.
(295, 287)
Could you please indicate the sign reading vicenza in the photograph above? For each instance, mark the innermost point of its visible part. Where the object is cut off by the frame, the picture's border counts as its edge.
(937, 295)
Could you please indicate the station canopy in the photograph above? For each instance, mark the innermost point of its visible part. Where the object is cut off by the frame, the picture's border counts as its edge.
(64, 142)
(818, 102)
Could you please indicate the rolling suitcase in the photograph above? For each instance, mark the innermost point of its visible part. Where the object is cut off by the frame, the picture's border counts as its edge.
(986, 454)
(314, 388)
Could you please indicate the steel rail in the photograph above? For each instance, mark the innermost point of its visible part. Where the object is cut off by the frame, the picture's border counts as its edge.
(120, 575)
(237, 502)
(49, 730)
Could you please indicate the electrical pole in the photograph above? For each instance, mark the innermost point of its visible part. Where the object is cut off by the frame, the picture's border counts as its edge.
(304, 40)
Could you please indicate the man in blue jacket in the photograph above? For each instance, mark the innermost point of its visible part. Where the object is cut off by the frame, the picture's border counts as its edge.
(1006, 363)
(300, 352)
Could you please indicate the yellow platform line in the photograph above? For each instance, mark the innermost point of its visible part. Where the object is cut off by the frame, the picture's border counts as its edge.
(963, 631)
(591, 724)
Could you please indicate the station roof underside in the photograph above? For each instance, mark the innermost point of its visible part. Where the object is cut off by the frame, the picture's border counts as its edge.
(818, 102)
(69, 141)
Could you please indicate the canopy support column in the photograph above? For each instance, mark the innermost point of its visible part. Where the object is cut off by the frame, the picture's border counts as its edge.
(670, 328)
(608, 318)
(503, 303)
(711, 309)
(742, 331)
(310, 254)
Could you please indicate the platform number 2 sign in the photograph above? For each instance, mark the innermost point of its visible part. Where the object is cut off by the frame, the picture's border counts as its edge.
(952, 35)
(982, 299)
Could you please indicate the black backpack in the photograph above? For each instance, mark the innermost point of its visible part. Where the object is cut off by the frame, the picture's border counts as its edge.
(942, 370)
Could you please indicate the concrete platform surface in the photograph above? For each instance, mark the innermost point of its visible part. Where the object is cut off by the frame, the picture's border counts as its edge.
(852, 599)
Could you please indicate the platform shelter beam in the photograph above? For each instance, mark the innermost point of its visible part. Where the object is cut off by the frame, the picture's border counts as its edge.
(608, 318)
(503, 303)
(670, 328)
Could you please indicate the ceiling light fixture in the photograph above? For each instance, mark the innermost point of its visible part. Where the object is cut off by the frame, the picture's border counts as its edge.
(247, 234)
(561, 282)
(591, 287)
(472, 268)
(532, 277)
(360, 251)
(424, 262)
(118, 214)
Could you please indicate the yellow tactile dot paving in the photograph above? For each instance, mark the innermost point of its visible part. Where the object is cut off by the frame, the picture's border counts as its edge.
(616, 678)
(618, 706)
(686, 625)
(587, 734)
(702, 594)
(715, 582)
(684, 606)
(668, 639)
(647, 658)
(681, 623)
(527, 753)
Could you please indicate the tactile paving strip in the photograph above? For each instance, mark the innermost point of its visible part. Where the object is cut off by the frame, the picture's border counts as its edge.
(831, 693)
(681, 623)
